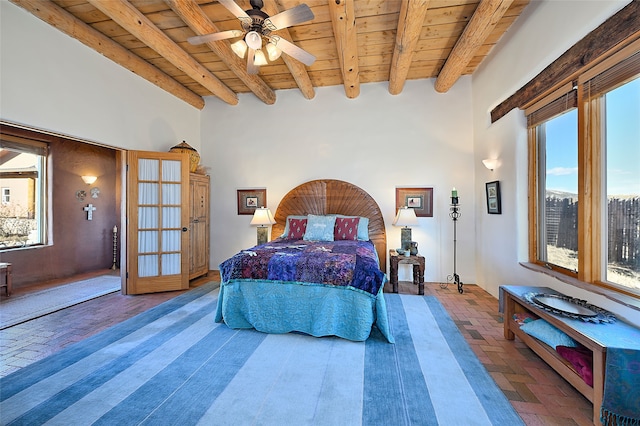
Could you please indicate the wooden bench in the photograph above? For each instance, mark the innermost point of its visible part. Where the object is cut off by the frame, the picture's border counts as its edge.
(595, 337)
(5, 277)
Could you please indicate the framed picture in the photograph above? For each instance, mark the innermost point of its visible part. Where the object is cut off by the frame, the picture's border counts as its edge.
(493, 198)
(419, 199)
(250, 199)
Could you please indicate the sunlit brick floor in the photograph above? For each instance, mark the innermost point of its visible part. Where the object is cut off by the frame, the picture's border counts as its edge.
(538, 394)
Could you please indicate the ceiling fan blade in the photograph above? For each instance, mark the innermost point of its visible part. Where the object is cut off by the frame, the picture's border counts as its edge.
(251, 66)
(222, 35)
(234, 8)
(293, 16)
(293, 50)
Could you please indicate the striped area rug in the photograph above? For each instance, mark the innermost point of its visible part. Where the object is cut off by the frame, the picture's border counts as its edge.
(174, 365)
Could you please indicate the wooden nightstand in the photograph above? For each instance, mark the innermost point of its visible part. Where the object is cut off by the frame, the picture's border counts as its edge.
(418, 269)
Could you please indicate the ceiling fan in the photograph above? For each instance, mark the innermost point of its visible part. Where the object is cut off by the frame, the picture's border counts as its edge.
(256, 26)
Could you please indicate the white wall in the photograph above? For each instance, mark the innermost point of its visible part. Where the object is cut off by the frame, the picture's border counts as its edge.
(541, 34)
(377, 141)
(53, 82)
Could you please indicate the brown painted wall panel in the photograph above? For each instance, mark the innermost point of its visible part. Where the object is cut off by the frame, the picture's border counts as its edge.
(78, 245)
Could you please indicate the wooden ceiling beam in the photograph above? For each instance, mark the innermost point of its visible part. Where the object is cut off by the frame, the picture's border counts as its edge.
(480, 27)
(59, 18)
(622, 27)
(297, 69)
(129, 18)
(410, 22)
(343, 20)
(199, 22)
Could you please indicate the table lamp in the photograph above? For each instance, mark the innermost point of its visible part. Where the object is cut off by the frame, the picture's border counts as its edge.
(406, 217)
(262, 218)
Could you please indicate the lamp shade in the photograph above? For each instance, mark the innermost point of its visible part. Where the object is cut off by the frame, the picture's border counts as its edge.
(406, 217)
(253, 40)
(262, 217)
(239, 48)
(273, 52)
(259, 59)
(89, 179)
(490, 163)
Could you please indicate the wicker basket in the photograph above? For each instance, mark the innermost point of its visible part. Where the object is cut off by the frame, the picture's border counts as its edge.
(194, 157)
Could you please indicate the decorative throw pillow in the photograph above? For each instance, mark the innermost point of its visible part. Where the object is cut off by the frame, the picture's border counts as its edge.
(346, 228)
(363, 226)
(285, 234)
(319, 228)
(581, 359)
(297, 228)
(542, 330)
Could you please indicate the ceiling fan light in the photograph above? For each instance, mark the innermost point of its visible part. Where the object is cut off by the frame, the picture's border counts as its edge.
(254, 40)
(239, 48)
(273, 51)
(260, 59)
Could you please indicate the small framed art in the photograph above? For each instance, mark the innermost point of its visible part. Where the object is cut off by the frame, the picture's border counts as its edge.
(250, 199)
(493, 197)
(419, 199)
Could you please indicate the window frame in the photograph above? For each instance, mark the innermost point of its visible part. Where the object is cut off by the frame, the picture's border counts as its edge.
(539, 196)
(592, 260)
(41, 201)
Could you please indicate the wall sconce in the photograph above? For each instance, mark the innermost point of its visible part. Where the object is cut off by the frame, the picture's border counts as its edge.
(406, 217)
(89, 179)
(491, 163)
(262, 218)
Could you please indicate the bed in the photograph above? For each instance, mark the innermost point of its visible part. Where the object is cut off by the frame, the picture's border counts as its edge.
(303, 281)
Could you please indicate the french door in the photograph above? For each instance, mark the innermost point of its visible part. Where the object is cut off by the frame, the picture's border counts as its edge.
(157, 222)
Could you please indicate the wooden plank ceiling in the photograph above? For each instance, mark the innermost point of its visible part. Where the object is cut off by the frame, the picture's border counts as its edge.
(354, 42)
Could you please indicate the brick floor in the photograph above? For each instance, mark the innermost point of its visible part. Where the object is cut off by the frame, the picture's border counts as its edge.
(539, 394)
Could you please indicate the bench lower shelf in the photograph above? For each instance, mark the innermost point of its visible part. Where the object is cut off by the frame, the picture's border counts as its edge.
(514, 304)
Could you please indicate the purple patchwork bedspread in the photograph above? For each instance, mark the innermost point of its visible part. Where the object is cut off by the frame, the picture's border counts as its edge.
(338, 263)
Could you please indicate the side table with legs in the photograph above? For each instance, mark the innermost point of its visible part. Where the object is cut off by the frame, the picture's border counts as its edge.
(418, 269)
(5, 282)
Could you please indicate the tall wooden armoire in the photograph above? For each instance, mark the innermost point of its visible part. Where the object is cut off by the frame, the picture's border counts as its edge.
(198, 225)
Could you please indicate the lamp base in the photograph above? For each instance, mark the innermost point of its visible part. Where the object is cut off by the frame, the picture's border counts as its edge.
(405, 238)
(263, 234)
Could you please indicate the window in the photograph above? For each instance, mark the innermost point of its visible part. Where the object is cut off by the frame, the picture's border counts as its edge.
(622, 184)
(585, 156)
(23, 208)
(558, 190)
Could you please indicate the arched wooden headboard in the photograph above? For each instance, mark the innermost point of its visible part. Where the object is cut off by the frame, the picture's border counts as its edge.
(330, 196)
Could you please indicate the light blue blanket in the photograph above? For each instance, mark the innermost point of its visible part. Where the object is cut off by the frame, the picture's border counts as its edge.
(314, 309)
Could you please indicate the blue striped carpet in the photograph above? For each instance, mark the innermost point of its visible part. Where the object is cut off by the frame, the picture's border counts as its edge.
(174, 365)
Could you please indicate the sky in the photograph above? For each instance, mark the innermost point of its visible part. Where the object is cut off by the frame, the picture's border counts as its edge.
(623, 145)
